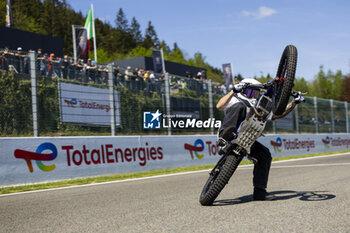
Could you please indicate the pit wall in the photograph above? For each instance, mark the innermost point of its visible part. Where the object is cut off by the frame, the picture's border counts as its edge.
(31, 160)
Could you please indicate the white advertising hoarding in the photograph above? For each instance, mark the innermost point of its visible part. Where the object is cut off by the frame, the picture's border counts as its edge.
(87, 105)
(30, 160)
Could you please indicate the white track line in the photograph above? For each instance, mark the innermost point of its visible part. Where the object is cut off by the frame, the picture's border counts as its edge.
(186, 173)
(313, 165)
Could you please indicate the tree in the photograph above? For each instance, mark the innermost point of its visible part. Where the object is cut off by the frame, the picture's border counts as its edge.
(135, 31)
(337, 85)
(176, 55)
(300, 84)
(346, 95)
(121, 21)
(123, 41)
(151, 38)
(165, 47)
(140, 51)
(175, 46)
(198, 60)
(321, 86)
(123, 38)
(328, 86)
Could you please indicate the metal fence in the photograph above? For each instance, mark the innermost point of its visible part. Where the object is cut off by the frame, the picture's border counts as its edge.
(33, 104)
(133, 78)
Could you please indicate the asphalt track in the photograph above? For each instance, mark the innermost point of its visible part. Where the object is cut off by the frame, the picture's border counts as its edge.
(313, 196)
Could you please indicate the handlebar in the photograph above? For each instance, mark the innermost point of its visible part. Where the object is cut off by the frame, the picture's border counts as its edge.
(267, 85)
(259, 86)
(296, 93)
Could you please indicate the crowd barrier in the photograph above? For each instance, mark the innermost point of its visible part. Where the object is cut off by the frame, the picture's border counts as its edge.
(32, 160)
(133, 78)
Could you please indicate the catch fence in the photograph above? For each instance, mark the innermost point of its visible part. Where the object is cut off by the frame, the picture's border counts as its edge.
(36, 104)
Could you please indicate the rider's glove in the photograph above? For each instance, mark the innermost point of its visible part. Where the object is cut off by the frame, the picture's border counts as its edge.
(237, 88)
(298, 98)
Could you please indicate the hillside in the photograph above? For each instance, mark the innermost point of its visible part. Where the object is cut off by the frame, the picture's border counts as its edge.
(122, 40)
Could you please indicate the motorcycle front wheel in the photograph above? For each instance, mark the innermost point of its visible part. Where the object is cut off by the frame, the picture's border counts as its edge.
(218, 178)
(285, 79)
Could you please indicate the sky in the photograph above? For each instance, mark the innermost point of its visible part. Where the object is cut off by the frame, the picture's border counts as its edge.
(250, 34)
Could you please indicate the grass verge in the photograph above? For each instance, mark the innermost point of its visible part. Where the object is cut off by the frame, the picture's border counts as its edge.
(99, 179)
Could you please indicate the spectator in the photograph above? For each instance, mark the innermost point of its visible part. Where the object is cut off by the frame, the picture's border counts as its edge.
(44, 71)
(204, 74)
(136, 73)
(39, 53)
(129, 78)
(205, 85)
(128, 73)
(135, 79)
(39, 58)
(146, 77)
(152, 77)
(26, 62)
(57, 67)
(71, 69)
(67, 68)
(188, 74)
(4, 59)
(172, 82)
(198, 76)
(118, 76)
(50, 68)
(141, 74)
(91, 70)
(223, 89)
(80, 68)
(19, 60)
(9, 58)
(102, 74)
(64, 66)
(215, 89)
(183, 84)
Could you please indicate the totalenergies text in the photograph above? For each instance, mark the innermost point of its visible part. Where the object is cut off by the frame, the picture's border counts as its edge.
(109, 154)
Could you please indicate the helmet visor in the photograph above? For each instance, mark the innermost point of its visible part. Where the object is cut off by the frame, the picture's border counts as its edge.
(251, 93)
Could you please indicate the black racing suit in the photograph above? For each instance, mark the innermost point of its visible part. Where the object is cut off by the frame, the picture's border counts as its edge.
(234, 115)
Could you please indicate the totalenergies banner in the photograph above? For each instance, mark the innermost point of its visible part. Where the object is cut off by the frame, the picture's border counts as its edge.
(30, 160)
(87, 105)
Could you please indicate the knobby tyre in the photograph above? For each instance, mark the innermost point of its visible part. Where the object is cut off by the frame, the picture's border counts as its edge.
(216, 183)
(285, 73)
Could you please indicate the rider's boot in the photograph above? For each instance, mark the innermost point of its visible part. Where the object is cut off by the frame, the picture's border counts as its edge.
(224, 140)
(260, 194)
(228, 134)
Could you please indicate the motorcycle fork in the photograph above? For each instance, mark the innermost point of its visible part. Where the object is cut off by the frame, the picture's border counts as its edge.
(215, 171)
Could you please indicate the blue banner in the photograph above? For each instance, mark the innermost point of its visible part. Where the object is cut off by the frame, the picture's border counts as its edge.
(157, 61)
(228, 75)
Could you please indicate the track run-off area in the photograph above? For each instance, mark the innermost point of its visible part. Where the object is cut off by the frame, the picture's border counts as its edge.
(313, 195)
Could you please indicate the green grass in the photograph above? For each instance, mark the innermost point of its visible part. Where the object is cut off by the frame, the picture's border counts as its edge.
(99, 179)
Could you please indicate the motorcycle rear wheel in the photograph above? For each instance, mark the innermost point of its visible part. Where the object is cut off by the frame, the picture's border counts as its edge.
(285, 74)
(218, 179)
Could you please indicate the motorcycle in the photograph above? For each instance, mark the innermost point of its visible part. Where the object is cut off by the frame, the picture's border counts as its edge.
(273, 102)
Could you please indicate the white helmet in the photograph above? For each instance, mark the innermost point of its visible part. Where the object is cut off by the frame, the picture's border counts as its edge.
(249, 94)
